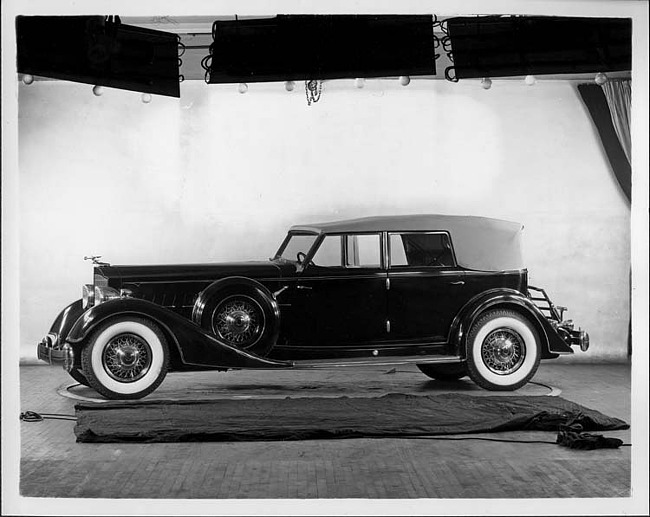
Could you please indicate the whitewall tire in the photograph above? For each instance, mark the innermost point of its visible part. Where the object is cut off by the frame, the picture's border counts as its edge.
(125, 358)
(503, 350)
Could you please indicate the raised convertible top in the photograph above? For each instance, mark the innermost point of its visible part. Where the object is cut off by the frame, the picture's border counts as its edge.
(480, 243)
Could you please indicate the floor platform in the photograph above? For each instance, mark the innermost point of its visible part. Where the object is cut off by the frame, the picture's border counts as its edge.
(53, 464)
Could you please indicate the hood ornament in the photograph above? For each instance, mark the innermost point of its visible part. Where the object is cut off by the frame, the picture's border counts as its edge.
(96, 261)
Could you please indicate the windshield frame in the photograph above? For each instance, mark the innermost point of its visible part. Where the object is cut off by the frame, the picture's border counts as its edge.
(278, 256)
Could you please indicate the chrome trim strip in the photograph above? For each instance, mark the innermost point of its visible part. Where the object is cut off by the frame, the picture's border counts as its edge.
(380, 361)
(476, 272)
(138, 283)
(379, 274)
(384, 344)
(430, 273)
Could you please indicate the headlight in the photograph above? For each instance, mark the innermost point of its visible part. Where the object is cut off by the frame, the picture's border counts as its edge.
(103, 294)
(88, 296)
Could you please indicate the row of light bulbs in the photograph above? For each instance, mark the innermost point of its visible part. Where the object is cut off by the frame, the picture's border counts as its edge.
(529, 80)
(98, 90)
(405, 80)
(359, 82)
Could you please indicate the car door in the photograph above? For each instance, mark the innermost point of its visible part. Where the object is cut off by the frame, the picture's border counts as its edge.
(426, 288)
(340, 296)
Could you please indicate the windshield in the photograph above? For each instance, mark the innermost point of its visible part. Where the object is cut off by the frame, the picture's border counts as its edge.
(296, 243)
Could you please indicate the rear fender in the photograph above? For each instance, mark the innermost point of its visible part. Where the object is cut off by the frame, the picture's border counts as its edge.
(552, 343)
(196, 346)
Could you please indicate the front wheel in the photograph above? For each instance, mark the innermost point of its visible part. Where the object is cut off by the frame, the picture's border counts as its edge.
(503, 351)
(125, 358)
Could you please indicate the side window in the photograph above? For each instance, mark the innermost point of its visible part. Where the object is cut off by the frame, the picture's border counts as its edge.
(363, 250)
(420, 250)
(397, 253)
(329, 253)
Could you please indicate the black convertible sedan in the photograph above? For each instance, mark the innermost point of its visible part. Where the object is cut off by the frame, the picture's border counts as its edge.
(448, 293)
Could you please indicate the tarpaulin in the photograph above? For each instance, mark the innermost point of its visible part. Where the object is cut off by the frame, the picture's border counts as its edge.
(391, 415)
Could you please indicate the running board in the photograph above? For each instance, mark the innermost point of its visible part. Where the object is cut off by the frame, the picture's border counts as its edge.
(383, 361)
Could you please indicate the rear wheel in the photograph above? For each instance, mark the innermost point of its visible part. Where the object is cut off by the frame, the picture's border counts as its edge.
(444, 372)
(503, 351)
(125, 358)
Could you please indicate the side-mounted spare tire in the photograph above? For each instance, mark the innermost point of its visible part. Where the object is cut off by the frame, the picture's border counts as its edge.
(503, 350)
(242, 316)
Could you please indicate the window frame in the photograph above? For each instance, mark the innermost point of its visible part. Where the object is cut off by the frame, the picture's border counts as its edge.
(344, 249)
(292, 233)
(414, 232)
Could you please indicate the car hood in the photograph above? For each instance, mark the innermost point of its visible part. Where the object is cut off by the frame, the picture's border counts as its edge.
(195, 272)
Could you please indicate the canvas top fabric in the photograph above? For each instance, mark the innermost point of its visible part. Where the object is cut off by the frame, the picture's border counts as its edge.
(480, 243)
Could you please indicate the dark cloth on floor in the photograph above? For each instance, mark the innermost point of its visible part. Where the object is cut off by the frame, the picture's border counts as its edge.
(392, 415)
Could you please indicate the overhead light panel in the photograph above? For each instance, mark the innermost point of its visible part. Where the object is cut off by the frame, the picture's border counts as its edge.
(98, 50)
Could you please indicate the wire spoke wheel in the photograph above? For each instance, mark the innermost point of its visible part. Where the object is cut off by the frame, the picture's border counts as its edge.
(127, 357)
(503, 351)
(239, 321)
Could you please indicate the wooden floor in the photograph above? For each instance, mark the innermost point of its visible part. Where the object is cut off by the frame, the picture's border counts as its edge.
(371, 470)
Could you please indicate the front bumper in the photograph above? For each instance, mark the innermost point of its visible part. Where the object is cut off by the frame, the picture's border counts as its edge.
(49, 351)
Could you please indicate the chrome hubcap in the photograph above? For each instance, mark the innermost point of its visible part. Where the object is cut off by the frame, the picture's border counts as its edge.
(503, 351)
(239, 321)
(127, 357)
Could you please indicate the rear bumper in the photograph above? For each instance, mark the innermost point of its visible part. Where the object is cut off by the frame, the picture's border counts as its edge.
(47, 351)
(571, 336)
(581, 339)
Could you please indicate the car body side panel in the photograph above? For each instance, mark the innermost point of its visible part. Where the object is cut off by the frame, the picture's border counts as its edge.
(423, 302)
(337, 307)
(196, 346)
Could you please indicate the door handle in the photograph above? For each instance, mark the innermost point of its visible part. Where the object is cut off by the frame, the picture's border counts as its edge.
(458, 282)
(304, 287)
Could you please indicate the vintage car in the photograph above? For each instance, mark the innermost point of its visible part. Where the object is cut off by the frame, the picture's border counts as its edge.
(447, 293)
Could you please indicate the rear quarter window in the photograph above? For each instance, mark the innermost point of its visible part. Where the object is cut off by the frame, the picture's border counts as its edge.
(421, 250)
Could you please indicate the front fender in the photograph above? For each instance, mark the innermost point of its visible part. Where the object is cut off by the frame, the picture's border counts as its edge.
(552, 343)
(196, 346)
(66, 320)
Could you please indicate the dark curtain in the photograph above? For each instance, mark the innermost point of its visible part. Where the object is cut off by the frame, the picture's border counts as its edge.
(619, 99)
(596, 102)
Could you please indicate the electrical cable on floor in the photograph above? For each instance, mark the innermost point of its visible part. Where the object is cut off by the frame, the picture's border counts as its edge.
(501, 440)
(33, 416)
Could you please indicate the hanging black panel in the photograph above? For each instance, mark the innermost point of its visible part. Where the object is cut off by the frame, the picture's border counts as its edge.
(320, 47)
(94, 50)
(501, 46)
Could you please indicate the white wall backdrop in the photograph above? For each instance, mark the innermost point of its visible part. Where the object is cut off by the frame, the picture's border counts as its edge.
(217, 175)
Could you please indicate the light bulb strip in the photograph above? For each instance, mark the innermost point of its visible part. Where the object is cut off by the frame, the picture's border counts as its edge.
(486, 83)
